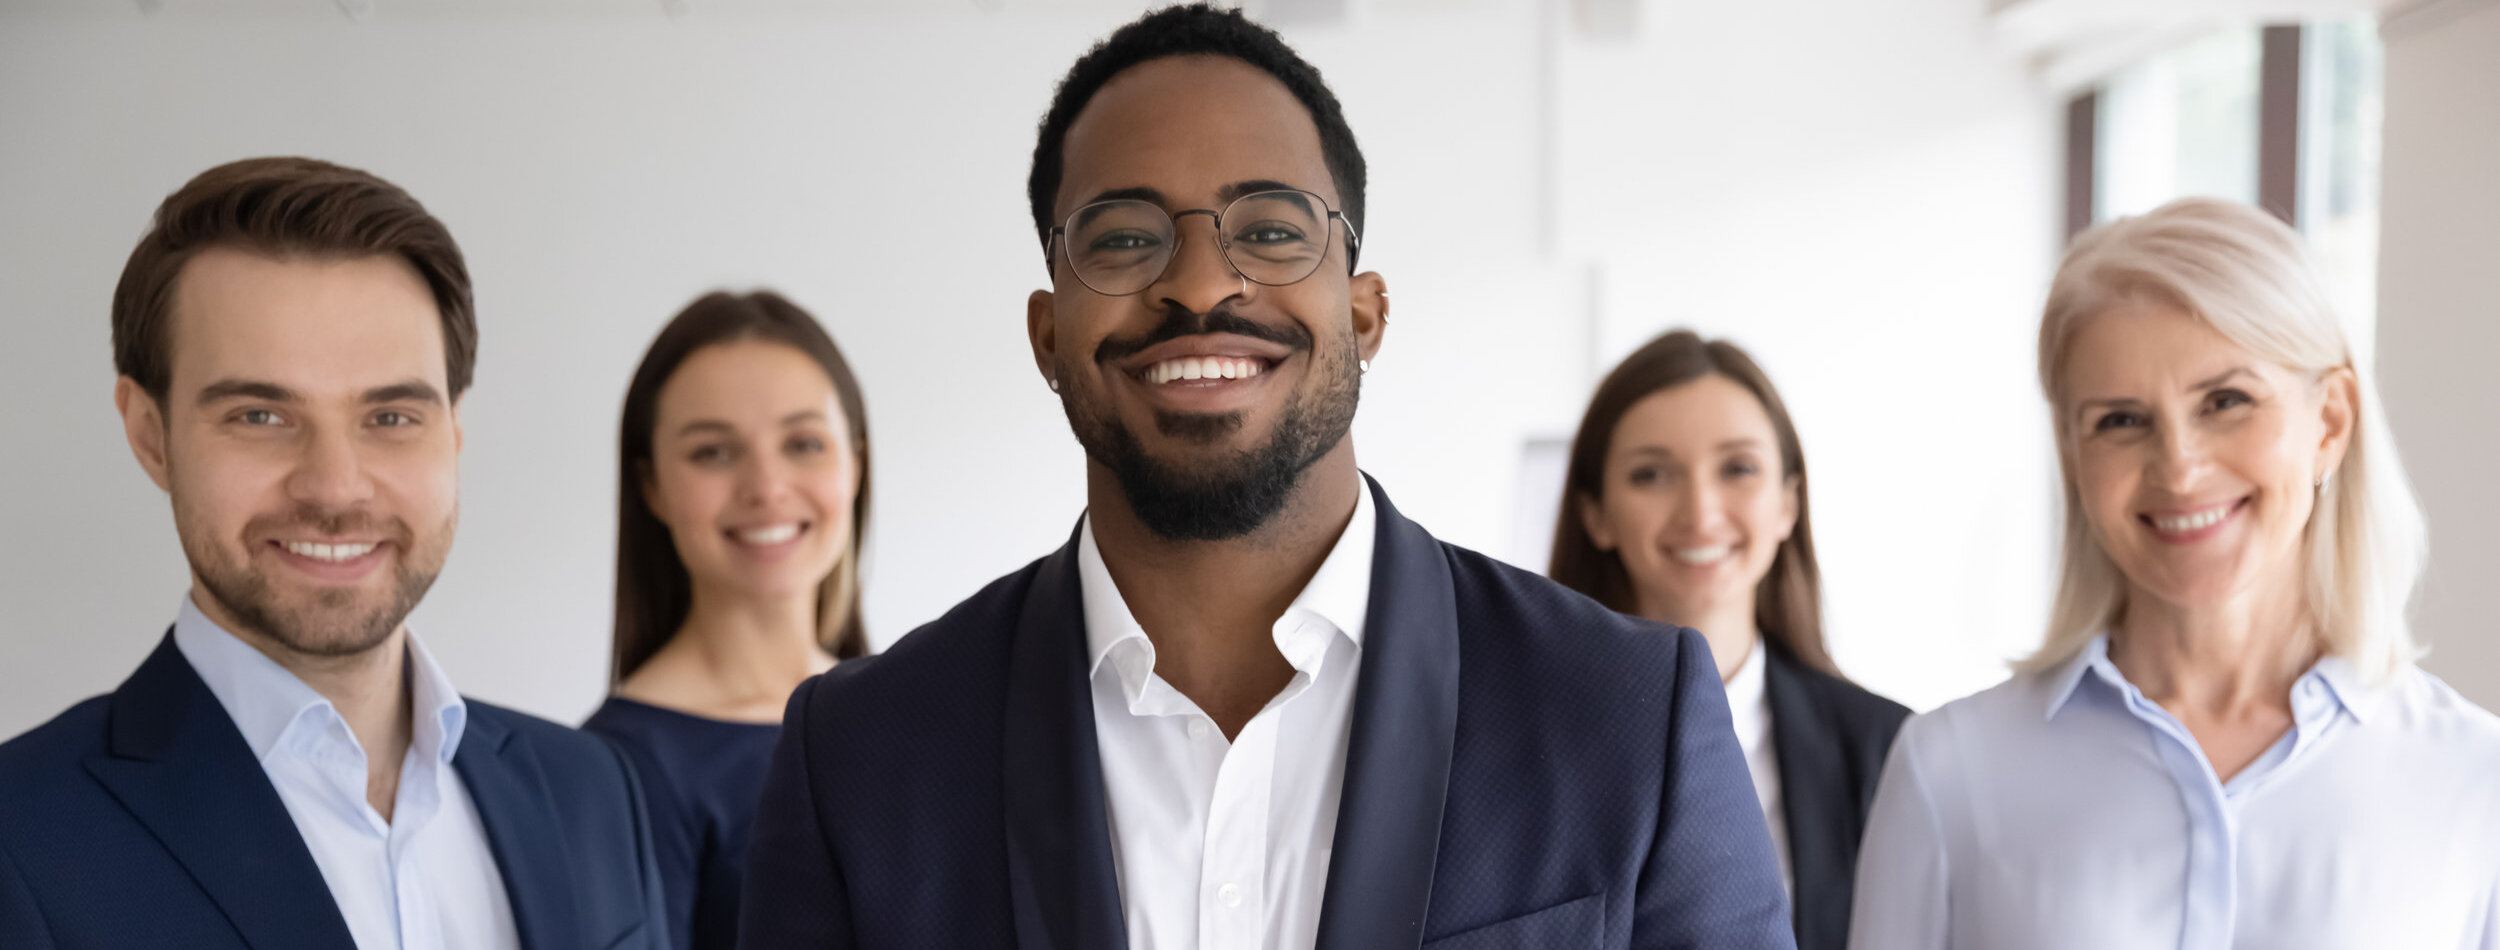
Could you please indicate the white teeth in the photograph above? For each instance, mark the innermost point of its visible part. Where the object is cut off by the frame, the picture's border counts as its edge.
(773, 534)
(1203, 367)
(328, 552)
(2181, 524)
(1701, 555)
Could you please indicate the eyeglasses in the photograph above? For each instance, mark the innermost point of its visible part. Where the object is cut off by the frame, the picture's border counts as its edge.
(1274, 238)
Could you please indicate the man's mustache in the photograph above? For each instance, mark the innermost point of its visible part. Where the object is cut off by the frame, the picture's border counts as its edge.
(1179, 321)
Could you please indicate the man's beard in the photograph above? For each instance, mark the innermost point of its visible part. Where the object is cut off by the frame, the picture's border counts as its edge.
(1231, 496)
(331, 621)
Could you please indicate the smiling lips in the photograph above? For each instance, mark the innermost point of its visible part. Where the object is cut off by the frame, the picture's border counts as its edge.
(2192, 524)
(1701, 556)
(768, 535)
(1203, 367)
(329, 553)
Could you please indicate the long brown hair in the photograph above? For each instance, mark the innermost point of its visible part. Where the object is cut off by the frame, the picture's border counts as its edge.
(653, 590)
(1788, 604)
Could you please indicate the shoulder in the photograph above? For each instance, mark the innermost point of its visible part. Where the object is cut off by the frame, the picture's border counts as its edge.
(2010, 715)
(2421, 704)
(1524, 625)
(42, 756)
(569, 757)
(1853, 709)
(945, 664)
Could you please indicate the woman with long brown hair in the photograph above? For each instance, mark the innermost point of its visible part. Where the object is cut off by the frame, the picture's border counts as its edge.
(1685, 502)
(741, 497)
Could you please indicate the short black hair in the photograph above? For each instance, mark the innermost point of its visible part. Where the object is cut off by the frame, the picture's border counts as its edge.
(1188, 30)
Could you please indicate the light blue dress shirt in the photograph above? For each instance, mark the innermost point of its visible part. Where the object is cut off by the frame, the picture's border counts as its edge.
(2063, 809)
(424, 880)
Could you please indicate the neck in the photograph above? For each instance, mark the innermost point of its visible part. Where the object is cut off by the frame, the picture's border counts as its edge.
(1729, 629)
(369, 689)
(1210, 607)
(750, 646)
(2215, 660)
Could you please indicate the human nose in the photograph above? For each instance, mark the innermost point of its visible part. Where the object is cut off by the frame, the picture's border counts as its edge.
(1199, 276)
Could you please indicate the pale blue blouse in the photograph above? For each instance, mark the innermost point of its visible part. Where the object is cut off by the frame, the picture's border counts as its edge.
(2065, 810)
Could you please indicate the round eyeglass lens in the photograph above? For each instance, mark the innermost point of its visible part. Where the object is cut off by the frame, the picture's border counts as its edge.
(1276, 237)
(1119, 247)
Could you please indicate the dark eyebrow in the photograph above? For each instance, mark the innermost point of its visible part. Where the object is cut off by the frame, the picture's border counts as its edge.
(712, 425)
(1147, 195)
(1237, 189)
(414, 390)
(225, 389)
(1746, 442)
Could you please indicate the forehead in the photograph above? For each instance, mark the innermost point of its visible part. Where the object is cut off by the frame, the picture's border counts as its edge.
(1187, 126)
(2149, 343)
(746, 381)
(1694, 416)
(317, 325)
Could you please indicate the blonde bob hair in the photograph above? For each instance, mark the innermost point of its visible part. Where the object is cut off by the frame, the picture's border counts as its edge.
(2247, 276)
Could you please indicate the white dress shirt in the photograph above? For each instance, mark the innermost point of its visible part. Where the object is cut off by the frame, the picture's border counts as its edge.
(2065, 810)
(1225, 845)
(1749, 702)
(424, 880)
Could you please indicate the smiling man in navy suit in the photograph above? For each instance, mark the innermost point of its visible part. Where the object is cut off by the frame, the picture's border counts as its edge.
(290, 768)
(1248, 706)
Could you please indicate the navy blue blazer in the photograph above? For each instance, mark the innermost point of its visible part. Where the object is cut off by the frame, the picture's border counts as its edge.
(141, 819)
(1526, 769)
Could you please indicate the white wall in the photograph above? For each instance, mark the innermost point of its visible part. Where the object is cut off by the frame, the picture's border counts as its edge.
(1855, 190)
(2439, 315)
(1863, 195)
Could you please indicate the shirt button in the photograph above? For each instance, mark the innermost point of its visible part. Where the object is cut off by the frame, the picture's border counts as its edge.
(1230, 894)
(1198, 730)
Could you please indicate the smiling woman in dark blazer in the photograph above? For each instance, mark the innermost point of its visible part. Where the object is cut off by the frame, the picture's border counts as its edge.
(1685, 503)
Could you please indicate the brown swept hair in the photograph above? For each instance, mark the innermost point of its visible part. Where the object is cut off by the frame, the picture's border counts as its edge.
(1788, 604)
(285, 207)
(653, 590)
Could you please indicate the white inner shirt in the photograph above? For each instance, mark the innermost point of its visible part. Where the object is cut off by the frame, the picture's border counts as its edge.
(1749, 701)
(424, 880)
(1225, 845)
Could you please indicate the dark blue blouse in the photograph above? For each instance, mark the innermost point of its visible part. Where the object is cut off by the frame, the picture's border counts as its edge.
(702, 778)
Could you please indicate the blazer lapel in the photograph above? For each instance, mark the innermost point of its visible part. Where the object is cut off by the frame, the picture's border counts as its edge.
(513, 802)
(179, 765)
(1065, 891)
(1809, 755)
(1397, 770)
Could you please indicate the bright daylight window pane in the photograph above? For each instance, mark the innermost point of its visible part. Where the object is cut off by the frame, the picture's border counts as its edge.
(2180, 123)
(2339, 165)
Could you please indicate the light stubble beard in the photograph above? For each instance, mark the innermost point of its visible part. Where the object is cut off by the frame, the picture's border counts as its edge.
(328, 623)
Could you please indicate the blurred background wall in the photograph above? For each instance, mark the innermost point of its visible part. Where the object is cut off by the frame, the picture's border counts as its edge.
(1868, 194)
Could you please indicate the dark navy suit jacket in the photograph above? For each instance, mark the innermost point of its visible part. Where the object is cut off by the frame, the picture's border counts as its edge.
(1526, 769)
(1829, 737)
(141, 819)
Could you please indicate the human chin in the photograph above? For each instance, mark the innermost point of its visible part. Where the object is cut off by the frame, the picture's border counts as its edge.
(320, 599)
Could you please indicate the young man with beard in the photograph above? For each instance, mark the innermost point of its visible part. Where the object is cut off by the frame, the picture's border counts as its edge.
(290, 768)
(1248, 705)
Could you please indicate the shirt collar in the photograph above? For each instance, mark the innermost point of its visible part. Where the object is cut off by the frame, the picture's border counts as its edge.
(265, 701)
(1747, 692)
(1339, 593)
(2063, 680)
(2342, 684)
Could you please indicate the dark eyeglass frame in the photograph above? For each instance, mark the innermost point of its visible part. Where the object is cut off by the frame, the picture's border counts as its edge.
(1057, 243)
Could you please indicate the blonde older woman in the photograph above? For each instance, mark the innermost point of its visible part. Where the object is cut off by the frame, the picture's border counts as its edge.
(2224, 742)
